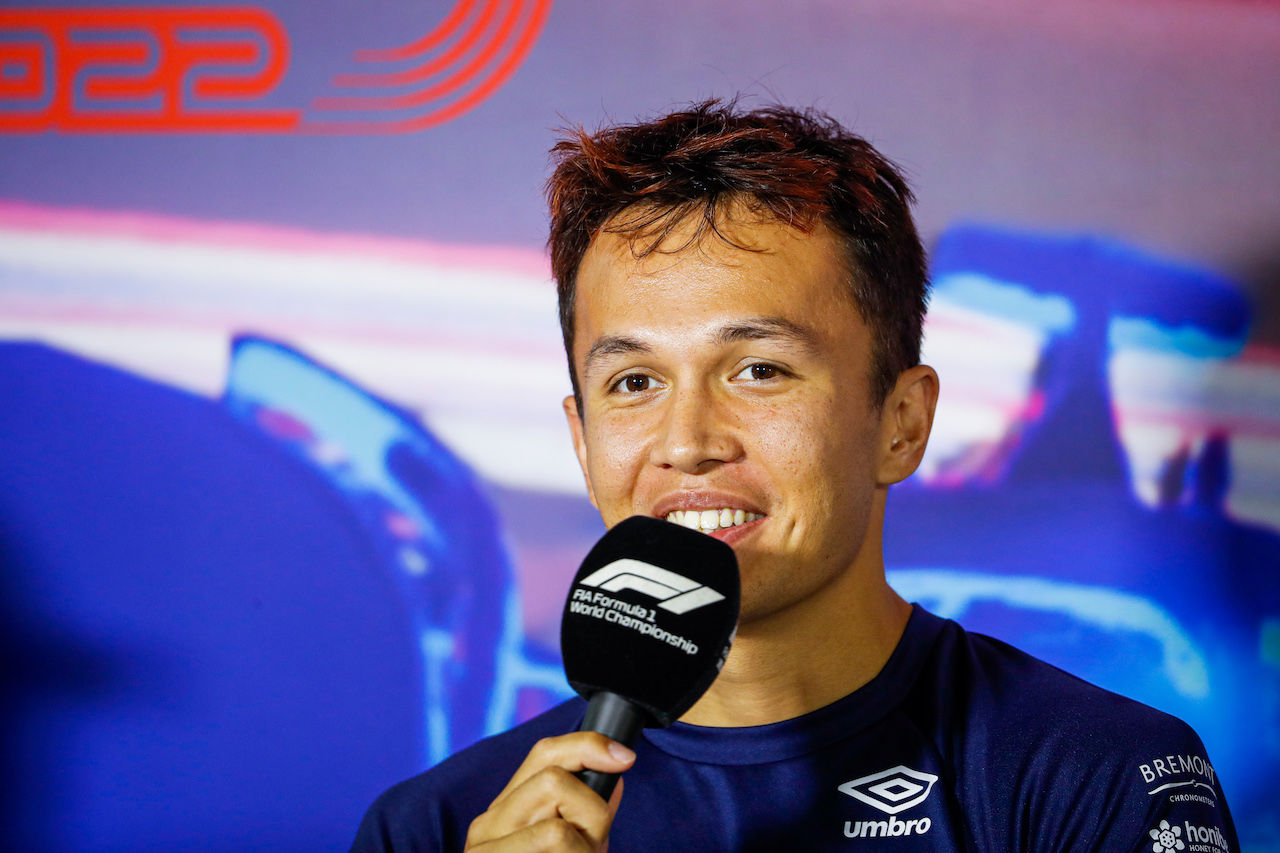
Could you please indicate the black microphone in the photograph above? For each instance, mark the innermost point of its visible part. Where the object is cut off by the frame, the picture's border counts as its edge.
(648, 624)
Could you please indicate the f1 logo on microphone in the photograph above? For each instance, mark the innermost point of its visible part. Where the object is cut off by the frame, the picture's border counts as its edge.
(677, 593)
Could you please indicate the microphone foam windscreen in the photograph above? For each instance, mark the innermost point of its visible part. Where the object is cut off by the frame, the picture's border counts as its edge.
(650, 616)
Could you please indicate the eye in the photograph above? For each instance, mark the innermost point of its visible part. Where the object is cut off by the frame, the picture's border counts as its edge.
(759, 372)
(634, 383)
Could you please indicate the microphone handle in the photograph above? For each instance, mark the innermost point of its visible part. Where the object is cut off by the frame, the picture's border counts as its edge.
(617, 718)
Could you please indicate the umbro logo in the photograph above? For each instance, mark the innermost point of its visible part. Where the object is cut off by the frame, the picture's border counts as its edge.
(891, 791)
(677, 593)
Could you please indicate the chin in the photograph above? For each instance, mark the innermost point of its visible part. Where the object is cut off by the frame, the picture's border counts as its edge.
(761, 602)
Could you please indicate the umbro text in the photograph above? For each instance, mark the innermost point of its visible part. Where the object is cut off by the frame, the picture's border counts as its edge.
(890, 827)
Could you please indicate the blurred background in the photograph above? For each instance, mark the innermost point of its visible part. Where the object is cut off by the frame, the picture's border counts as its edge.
(287, 506)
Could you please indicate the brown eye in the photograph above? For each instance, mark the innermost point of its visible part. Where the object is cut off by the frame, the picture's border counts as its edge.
(635, 384)
(763, 371)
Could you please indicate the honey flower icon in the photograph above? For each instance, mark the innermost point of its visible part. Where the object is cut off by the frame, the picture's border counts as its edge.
(1166, 838)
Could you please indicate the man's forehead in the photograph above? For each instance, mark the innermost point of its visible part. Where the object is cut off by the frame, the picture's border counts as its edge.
(769, 274)
(757, 279)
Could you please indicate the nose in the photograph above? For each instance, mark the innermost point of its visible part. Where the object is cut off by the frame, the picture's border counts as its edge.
(696, 433)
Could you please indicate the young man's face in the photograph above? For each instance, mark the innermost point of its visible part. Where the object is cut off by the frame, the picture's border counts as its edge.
(717, 379)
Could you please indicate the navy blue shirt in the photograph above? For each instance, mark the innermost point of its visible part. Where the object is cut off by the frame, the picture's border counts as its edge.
(960, 743)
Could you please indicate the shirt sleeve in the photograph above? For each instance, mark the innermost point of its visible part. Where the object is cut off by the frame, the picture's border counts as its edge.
(1104, 774)
(405, 819)
(1164, 796)
(1186, 811)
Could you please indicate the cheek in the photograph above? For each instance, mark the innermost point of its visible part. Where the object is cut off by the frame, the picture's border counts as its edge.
(615, 454)
(810, 433)
(821, 457)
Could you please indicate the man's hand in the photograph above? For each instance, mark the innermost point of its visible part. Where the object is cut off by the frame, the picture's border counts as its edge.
(545, 807)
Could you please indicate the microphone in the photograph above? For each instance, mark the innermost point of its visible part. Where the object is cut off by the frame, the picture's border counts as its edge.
(647, 626)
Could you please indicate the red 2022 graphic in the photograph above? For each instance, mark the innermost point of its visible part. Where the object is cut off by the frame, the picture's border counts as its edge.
(170, 69)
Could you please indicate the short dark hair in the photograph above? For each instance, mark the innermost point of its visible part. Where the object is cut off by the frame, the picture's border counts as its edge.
(799, 166)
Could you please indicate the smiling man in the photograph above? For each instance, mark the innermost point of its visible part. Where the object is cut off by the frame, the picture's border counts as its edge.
(742, 296)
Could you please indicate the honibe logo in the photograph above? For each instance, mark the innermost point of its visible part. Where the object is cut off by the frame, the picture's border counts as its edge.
(677, 593)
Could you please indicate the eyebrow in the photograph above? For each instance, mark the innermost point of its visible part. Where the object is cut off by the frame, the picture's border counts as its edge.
(612, 345)
(765, 328)
(756, 329)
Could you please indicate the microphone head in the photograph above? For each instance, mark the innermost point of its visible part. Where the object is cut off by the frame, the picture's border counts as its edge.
(650, 616)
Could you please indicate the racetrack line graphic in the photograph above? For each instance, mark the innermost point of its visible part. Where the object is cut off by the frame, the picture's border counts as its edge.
(479, 62)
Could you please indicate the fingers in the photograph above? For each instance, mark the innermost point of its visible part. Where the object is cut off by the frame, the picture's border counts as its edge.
(545, 807)
(550, 794)
(573, 752)
(548, 835)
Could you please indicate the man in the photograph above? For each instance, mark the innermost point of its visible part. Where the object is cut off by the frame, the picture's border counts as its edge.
(742, 295)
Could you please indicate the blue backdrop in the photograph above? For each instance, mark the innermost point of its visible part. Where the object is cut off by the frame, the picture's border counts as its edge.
(287, 507)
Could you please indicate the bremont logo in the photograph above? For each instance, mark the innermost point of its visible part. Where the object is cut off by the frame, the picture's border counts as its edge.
(677, 593)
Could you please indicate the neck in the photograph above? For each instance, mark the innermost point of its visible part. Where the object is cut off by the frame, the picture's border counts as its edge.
(811, 654)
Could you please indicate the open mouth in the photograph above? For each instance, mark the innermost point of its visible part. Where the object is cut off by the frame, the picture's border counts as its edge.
(711, 520)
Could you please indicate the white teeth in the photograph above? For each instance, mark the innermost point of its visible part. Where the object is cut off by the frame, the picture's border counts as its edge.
(708, 520)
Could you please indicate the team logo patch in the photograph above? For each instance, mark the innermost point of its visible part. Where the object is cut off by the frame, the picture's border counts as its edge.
(1166, 838)
(891, 791)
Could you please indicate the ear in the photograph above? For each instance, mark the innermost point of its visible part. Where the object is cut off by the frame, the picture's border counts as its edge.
(905, 421)
(579, 442)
